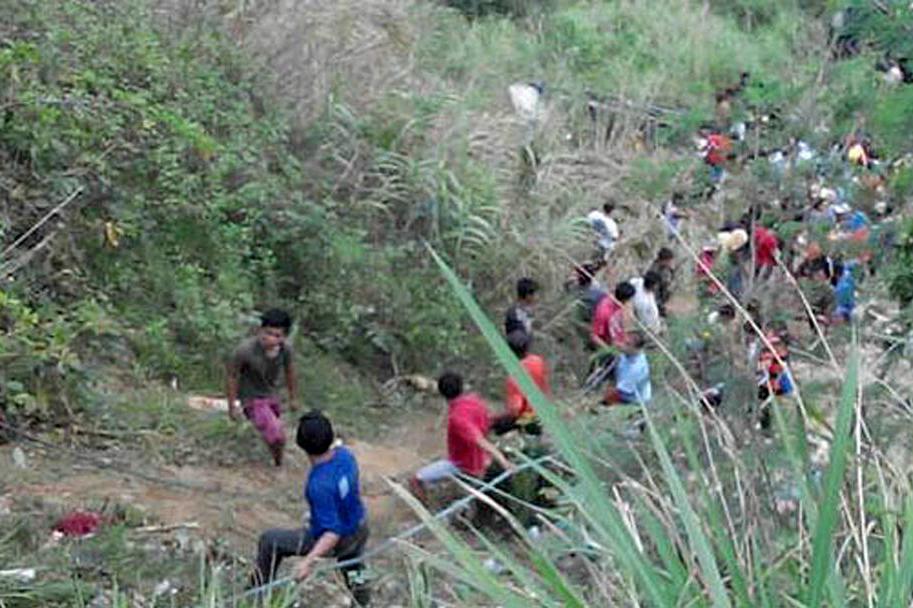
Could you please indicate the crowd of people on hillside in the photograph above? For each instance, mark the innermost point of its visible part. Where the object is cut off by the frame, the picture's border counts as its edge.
(828, 243)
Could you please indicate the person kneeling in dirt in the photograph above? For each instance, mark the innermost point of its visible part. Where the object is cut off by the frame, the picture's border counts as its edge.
(468, 450)
(253, 376)
(338, 519)
(520, 413)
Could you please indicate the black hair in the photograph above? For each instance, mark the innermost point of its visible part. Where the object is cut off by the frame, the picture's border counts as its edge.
(518, 341)
(727, 311)
(450, 385)
(276, 317)
(608, 208)
(315, 433)
(637, 339)
(526, 287)
(651, 280)
(836, 272)
(624, 291)
(665, 254)
(586, 273)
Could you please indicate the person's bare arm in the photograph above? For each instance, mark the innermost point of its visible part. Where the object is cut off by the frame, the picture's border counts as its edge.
(231, 388)
(499, 456)
(326, 543)
(291, 383)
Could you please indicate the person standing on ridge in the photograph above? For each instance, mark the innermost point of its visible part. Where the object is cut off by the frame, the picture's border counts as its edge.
(253, 378)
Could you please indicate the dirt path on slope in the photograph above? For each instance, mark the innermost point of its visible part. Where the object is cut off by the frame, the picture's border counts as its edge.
(233, 503)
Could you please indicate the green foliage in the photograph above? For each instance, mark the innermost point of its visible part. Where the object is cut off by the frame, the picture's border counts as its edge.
(900, 273)
(474, 9)
(193, 213)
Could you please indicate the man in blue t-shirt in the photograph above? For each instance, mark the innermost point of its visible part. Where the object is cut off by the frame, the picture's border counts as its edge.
(338, 526)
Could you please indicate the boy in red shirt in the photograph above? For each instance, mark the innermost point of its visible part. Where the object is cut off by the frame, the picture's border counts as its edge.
(468, 450)
(519, 410)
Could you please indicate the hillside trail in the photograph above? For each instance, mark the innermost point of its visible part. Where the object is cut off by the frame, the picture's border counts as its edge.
(239, 501)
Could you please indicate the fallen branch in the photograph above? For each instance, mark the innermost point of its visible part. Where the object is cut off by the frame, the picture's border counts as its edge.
(190, 525)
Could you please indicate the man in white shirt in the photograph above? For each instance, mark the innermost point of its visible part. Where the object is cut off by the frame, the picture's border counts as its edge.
(645, 307)
(606, 229)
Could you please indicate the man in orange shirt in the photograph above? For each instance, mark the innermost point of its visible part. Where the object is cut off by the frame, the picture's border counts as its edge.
(520, 412)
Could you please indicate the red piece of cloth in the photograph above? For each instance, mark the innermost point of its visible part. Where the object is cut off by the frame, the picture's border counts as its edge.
(609, 323)
(703, 268)
(78, 523)
(718, 148)
(765, 247)
(515, 400)
(468, 421)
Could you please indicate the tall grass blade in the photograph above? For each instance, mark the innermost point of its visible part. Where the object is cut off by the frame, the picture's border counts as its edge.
(599, 505)
(699, 542)
(822, 565)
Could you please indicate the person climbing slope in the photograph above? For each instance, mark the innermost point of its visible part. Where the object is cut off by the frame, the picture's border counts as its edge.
(645, 307)
(632, 374)
(520, 315)
(338, 520)
(609, 330)
(606, 230)
(664, 267)
(468, 449)
(520, 412)
(253, 378)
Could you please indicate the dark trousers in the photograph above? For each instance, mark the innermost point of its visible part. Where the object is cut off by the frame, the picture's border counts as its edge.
(277, 544)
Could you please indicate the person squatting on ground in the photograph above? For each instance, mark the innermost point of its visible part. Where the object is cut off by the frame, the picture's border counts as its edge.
(520, 413)
(469, 452)
(253, 377)
(338, 520)
(520, 315)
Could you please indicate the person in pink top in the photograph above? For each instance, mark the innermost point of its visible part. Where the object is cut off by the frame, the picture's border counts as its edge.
(469, 452)
(608, 327)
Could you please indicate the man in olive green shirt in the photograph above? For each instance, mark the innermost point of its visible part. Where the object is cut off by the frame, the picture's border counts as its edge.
(253, 378)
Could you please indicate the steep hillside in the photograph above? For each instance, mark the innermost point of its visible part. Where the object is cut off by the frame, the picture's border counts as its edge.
(170, 169)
